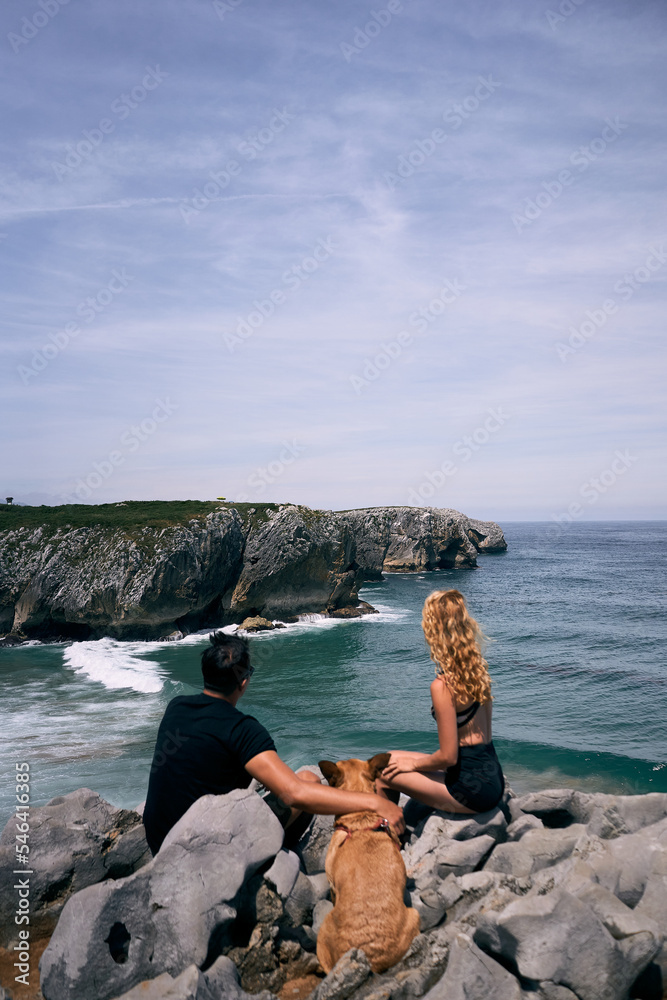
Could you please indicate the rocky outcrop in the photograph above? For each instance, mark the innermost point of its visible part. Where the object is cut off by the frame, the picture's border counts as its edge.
(76, 840)
(559, 895)
(280, 561)
(298, 561)
(407, 539)
(170, 914)
(93, 581)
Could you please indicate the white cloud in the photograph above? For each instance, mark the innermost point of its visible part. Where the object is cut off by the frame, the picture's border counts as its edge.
(323, 177)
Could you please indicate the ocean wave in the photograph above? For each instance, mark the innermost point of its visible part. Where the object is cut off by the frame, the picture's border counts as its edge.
(116, 664)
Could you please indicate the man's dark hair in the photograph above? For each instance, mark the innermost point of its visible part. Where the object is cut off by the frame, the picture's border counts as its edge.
(225, 664)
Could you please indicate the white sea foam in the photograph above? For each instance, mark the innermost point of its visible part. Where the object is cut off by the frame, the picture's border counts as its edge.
(117, 664)
(120, 664)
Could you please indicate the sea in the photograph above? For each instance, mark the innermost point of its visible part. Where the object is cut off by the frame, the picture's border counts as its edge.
(576, 626)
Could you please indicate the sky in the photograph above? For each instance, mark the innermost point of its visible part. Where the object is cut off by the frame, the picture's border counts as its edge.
(336, 253)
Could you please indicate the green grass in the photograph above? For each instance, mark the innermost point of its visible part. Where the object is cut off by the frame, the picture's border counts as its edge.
(132, 515)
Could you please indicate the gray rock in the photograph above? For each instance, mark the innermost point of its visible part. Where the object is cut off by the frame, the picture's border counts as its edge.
(423, 964)
(300, 560)
(622, 865)
(450, 891)
(434, 856)
(79, 840)
(148, 582)
(190, 985)
(320, 885)
(510, 859)
(221, 980)
(430, 907)
(301, 900)
(138, 582)
(608, 816)
(458, 857)
(486, 536)
(557, 937)
(653, 903)
(458, 826)
(551, 991)
(320, 910)
(406, 539)
(256, 624)
(484, 898)
(514, 809)
(473, 975)
(349, 972)
(522, 824)
(313, 846)
(619, 919)
(613, 815)
(112, 936)
(537, 849)
(283, 873)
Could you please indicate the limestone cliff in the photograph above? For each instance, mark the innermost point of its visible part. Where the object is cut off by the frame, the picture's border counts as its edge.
(408, 539)
(143, 579)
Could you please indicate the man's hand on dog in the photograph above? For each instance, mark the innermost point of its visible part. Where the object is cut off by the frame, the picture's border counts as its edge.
(392, 813)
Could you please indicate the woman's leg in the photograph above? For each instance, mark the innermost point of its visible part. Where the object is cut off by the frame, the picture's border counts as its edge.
(427, 787)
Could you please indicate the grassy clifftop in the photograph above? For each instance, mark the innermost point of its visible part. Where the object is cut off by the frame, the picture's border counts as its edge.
(127, 516)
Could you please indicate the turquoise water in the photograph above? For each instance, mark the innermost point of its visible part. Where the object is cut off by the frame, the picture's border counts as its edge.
(577, 658)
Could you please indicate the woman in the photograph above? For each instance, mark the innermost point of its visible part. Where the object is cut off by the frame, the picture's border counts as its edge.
(464, 774)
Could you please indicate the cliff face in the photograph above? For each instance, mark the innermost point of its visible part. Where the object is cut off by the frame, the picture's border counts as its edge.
(143, 582)
(408, 539)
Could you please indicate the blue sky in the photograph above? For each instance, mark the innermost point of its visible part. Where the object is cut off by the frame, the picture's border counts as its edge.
(335, 253)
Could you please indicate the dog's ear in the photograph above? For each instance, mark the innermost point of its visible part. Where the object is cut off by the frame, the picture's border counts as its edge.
(330, 771)
(377, 764)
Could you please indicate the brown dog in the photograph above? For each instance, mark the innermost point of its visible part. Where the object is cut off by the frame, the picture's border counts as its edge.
(367, 877)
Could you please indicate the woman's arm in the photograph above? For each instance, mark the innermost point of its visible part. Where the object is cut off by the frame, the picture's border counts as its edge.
(448, 739)
(448, 735)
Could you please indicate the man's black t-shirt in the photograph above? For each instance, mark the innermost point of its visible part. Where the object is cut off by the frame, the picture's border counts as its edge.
(202, 747)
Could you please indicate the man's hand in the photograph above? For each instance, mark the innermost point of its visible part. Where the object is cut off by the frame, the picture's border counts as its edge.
(386, 809)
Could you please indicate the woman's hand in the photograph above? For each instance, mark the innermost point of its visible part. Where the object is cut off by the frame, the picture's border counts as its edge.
(400, 763)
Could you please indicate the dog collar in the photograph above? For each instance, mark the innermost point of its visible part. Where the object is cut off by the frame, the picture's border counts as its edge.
(381, 824)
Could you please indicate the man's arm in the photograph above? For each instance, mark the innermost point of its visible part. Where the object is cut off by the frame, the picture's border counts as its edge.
(280, 779)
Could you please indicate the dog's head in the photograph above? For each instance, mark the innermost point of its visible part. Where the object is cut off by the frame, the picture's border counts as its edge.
(354, 775)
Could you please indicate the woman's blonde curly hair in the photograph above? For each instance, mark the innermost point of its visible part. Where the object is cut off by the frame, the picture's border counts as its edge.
(455, 638)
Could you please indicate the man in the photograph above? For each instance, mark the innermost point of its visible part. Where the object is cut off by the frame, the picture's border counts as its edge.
(205, 746)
